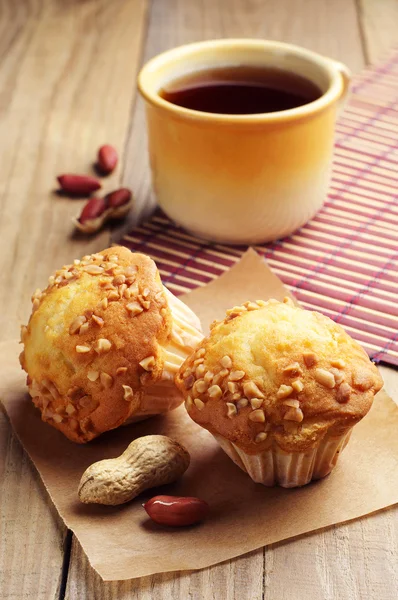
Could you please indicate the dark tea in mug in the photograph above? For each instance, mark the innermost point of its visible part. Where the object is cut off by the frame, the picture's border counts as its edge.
(241, 90)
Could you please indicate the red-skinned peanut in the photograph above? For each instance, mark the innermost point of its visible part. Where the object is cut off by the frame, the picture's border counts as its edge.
(93, 209)
(107, 159)
(176, 511)
(118, 198)
(78, 185)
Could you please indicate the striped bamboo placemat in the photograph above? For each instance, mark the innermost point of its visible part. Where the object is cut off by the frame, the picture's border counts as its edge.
(344, 262)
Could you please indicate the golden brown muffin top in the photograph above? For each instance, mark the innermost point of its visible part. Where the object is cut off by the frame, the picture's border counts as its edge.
(273, 372)
(94, 340)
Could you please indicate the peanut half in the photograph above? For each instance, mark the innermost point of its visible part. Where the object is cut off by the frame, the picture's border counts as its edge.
(147, 462)
(176, 511)
(97, 211)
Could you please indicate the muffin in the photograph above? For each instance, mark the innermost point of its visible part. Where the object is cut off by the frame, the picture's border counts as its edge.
(280, 388)
(104, 342)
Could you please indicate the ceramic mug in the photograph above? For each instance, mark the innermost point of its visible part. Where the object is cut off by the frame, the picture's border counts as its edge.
(241, 179)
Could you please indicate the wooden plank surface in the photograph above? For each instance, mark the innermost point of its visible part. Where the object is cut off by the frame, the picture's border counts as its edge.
(64, 91)
(67, 81)
(172, 22)
(378, 22)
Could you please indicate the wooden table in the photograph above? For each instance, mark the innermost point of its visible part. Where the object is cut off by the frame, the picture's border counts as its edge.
(67, 81)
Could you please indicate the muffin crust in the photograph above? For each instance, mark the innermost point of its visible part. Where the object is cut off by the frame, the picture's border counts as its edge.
(95, 342)
(271, 372)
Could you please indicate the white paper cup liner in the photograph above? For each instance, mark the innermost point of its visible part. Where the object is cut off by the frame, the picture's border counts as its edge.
(288, 469)
(159, 398)
(186, 333)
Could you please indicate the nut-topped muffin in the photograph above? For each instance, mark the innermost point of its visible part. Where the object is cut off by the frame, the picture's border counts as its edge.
(104, 342)
(280, 388)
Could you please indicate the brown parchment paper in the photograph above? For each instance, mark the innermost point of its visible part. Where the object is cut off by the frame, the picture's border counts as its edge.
(121, 543)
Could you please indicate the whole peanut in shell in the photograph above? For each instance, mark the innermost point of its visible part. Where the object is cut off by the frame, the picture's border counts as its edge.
(147, 462)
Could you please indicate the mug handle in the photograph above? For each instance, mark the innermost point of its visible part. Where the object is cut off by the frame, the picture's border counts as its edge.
(345, 74)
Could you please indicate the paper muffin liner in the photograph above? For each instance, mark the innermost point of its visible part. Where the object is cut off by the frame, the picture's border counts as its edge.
(186, 333)
(288, 469)
(159, 398)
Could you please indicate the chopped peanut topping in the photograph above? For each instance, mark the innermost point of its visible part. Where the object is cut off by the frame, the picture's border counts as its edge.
(199, 403)
(106, 380)
(201, 386)
(231, 410)
(128, 392)
(297, 385)
(189, 381)
(251, 390)
(284, 391)
(76, 324)
(343, 393)
(148, 363)
(256, 402)
(92, 375)
(232, 387)
(242, 402)
(217, 379)
(215, 392)
(325, 378)
(134, 308)
(310, 359)
(294, 414)
(236, 375)
(338, 362)
(200, 371)
(257, 416)
(98, 321)
(82, 349)
(102, 345)
(208, 376)
(84, 328)
(93, 269)
(292, 403)
(293, 370)
(339, 375)
(121, 370)
(226, 362)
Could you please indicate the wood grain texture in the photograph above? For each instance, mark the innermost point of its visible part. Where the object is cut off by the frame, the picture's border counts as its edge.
(378, 20)
(67, 86)
(240, 579)
(67, 82)
(31, 532)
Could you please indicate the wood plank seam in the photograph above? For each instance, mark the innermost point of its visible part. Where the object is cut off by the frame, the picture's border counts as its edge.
(361, 30)
(67, 550)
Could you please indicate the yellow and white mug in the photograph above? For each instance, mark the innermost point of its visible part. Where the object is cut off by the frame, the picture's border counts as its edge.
(241, 179)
